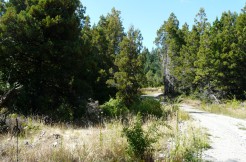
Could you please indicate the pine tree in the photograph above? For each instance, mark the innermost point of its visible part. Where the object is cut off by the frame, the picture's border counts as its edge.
(130, 67)
(106, 37)
(169, 38)
(227, 66)
(41, 51)
(188, 57)
(240, 58)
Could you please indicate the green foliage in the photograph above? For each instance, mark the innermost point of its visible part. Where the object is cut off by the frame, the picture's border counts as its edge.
(49, 49)
(29, 127)
(3, 85)
(114, 108)
(207, 60)
(105, 39)
(130, 67)
(147, 106)
(64, 113)
(140, 143)
(2, 7)
(152, 69)
(169, 40)
(41, 50)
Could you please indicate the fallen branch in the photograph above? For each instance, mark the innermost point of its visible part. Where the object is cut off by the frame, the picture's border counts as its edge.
(215, 98)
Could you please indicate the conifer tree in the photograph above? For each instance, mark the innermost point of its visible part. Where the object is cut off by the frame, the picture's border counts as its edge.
(106, 37)
(41, 51)
(130, 67)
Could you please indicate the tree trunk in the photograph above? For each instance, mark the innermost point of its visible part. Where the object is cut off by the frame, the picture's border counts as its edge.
(168, 85)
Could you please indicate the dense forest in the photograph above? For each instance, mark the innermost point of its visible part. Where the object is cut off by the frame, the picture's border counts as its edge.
(52, 60)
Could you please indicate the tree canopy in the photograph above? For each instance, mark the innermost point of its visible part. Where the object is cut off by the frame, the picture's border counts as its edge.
(52, 60)
(209, 59)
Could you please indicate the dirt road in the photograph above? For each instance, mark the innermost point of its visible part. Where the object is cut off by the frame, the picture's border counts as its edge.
(228, 135)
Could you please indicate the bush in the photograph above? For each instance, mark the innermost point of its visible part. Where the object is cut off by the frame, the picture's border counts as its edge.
(140, 142)
(64, 112)
(114, 108)
(148, 106)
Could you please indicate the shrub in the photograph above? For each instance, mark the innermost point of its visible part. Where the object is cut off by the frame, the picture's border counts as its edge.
(140, 143)
(114, 108)
(233, 103)
(64, 112)
(148, 106)
(25, 126)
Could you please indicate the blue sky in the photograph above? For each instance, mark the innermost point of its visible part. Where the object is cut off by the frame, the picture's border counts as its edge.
(149, 15)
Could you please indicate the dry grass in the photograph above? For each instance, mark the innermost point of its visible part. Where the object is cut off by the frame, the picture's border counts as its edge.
(192, 102)
(230, 108)
(185, 142)
(59, 143)
(233, 108)
(149, 91)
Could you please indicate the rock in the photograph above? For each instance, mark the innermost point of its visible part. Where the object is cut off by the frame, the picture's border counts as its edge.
(161, 156)
(57, 136)
(55, 144)
(42, 134)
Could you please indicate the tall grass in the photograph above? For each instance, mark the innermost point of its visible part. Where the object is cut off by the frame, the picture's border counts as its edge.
(233, 108)
(179, 142)
(185, 141)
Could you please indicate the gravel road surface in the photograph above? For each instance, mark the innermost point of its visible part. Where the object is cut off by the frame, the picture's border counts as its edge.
(228, 135)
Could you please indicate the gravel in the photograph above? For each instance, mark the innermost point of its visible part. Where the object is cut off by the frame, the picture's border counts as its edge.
(227, 135)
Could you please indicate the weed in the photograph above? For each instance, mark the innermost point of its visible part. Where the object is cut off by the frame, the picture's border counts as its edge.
(189, 146)
(183, 116)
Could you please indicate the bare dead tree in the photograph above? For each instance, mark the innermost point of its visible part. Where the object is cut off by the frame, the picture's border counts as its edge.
(167, 78)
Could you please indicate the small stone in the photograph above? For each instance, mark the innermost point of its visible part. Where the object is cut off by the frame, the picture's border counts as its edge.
(161, 156)
(57, 136)
(42, 134)
(55, 144)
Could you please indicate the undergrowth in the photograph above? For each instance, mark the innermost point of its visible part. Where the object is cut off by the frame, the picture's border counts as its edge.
(167, 138)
